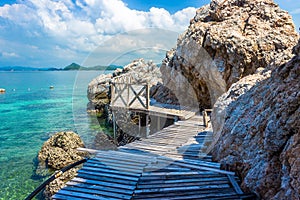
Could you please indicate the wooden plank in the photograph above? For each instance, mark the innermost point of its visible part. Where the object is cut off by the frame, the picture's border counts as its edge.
(91, 151)
(104, 183)
(177, 173)
(115, 167)
(151, 168)
(65, 197)
(121, 155)
(109, 161)
(182, 180)
(95, 177)
(234, 184)
(110, 171)
(130, 154)
(178, 189)
(98, 192)
(162, 147)
(83, 170)
(105, 157)
(211, 194)
(193, 166)
(98, 187)
(81, 195)
(186, 184)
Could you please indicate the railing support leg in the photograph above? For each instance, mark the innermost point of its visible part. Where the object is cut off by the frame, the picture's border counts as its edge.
(147, 126)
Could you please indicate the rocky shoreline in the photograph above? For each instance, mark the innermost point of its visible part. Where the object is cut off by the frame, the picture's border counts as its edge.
(242, 59)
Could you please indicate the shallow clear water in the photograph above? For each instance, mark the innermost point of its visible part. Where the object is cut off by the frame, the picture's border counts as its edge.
(30, 112)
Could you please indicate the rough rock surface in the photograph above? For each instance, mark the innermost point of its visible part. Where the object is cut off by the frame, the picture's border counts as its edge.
(103, 142)
(260, 134)
(58, 152)
(227, 40)
(99, 89)
(237, 89)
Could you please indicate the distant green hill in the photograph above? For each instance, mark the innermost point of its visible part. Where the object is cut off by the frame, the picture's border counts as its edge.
(75, 66)
(71, 67)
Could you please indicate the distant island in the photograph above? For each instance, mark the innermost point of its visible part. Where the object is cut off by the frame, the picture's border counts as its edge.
(71, 67)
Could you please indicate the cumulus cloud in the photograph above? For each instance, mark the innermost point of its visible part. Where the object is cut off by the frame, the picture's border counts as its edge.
(9, 55)
(81, 25)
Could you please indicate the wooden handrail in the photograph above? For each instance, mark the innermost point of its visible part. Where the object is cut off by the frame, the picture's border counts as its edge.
(126, 94)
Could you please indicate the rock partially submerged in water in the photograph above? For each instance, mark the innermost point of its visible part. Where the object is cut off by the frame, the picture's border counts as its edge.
(59, 151)
(2, 90)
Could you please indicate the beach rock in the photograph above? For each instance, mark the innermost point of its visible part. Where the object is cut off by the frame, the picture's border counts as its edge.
(139, 70)
(59, 183)
(98, 92)
(259, 133)
(103, 142)
(60, 150)
(2, 90)
(226, 41)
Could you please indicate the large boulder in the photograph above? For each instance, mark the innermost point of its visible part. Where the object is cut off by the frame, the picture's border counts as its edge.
(258, 132)
(59, 151)
(226, 41)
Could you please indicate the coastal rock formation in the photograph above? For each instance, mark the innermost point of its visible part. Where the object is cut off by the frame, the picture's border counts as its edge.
(60, 150)
(259, 135)
(139, 70)
(103, 142)
(226, 41)
(57, 152)
(237, 89)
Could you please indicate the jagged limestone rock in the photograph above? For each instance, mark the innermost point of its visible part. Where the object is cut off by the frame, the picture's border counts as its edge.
(259, 135)
(226, 41)
(59, 151)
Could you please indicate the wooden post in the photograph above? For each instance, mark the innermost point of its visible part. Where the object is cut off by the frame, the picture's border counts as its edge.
(204, 118)
(147, 126)
(112, 93)
(139, 125)
(147, 96)
(114, 125)
(127, 85)
(158, 123)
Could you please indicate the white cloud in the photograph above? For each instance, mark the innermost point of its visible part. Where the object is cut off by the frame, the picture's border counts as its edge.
(82, 25)
(9, 55)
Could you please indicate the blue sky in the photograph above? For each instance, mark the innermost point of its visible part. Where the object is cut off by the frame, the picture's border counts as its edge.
(54, 33)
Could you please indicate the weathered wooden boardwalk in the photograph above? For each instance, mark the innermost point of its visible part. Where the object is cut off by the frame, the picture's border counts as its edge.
(170, 164)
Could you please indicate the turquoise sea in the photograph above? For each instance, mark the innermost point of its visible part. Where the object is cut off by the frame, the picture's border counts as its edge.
(30, 112)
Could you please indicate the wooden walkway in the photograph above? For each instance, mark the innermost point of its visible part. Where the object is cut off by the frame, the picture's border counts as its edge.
(170, 164)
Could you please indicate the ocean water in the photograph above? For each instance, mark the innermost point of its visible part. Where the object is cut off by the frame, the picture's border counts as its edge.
(30, 112)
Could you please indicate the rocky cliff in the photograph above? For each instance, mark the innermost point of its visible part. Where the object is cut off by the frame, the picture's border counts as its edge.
(258, 131)
(226, 41)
